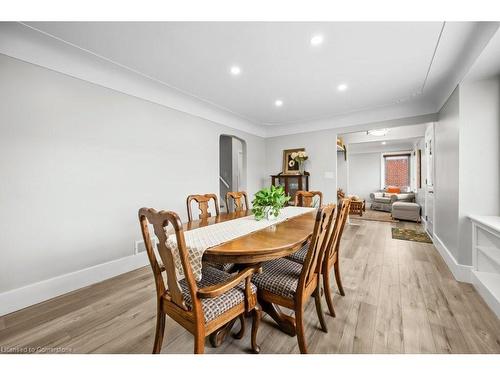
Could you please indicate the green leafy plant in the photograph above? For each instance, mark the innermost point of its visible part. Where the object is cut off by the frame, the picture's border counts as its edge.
(269, 199)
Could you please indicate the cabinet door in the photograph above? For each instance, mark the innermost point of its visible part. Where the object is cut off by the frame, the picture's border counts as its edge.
(293, 187)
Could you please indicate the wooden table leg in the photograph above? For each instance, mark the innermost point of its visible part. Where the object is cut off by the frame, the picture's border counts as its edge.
(218, 337)
(285, 322)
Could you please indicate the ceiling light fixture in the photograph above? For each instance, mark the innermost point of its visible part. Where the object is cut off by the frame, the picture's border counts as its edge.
(235, 70)
(278, 103)
(316, 40)
(342, 87)
(378, 132)
(384, 143)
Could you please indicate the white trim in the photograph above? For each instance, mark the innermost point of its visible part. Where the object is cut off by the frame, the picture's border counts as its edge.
(461, 272)
(485, 292)
(28, 295)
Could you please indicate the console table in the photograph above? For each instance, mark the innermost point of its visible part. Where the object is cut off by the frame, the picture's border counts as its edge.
(292, 183)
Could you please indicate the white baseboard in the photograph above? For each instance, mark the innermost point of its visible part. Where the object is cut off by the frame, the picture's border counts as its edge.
(485, 291)
(20, 298)
(460, 272)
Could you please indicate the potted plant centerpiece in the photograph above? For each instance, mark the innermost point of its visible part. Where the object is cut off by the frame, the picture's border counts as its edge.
(268, 202)
(300, 157)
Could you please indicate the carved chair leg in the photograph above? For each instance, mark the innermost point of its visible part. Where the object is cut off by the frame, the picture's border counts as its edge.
(238, 335)
(199, 343)
(160, 329)
(257, 314)
(299, 326)
(319, 309)
(336, 266)
(328, 291)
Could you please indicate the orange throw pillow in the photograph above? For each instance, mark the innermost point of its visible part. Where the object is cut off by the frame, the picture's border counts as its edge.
(393, 189)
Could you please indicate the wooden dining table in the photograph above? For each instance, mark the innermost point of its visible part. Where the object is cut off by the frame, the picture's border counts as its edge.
(275, 241)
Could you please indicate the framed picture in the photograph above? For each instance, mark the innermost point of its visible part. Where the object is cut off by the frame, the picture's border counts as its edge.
(290, 166)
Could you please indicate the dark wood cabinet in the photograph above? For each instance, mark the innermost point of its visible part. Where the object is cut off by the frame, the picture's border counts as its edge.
(292, 183)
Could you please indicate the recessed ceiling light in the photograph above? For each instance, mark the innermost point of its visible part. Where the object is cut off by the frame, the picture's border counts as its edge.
(384, 143)
(342, 87)
(278, 103)
(316, 40)
(235, 70)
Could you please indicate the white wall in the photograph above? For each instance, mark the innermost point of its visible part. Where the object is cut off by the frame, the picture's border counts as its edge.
(78, 160)
(343, 171)
(322, 149)
(364, 174)
(446, 159)
(467, 154)
(479, 175)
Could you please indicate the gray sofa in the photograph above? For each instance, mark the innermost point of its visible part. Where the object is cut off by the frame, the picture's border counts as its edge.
(381, 201)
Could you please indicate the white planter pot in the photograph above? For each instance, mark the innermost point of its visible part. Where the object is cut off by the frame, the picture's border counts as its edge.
(269, 214)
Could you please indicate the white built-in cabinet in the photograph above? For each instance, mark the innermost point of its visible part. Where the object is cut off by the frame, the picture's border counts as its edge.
(486, 259)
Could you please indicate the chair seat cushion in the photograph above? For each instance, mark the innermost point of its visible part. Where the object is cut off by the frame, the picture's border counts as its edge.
(214, 307)
(226, 267)
(279, 276)
(300, 255)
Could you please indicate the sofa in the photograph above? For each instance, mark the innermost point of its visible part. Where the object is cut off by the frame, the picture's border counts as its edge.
(383, 201)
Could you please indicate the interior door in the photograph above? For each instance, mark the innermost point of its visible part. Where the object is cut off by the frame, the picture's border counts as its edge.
(429, 180)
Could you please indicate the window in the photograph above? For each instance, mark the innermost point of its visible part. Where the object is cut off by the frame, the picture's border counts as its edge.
(396, 170)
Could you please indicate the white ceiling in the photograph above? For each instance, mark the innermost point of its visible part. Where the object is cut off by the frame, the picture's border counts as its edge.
(384, 64)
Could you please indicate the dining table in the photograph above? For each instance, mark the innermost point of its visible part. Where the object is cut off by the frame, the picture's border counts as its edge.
(272, 242)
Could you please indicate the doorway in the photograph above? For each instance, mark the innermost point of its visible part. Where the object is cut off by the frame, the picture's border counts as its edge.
(232, 167)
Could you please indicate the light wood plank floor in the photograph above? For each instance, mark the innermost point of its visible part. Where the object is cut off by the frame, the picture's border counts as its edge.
(400, 298)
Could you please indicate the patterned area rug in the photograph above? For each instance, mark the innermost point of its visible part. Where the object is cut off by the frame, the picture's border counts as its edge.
(373, 215)
(410, 235)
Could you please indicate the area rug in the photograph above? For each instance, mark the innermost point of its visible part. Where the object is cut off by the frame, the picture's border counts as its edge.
(410, 235)
(373, 215)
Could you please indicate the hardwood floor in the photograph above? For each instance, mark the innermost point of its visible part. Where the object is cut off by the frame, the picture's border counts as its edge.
(400, 298)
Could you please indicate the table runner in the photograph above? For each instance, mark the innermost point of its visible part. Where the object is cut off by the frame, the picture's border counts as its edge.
(200, 239)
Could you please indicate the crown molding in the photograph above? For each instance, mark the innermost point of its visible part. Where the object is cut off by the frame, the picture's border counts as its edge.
(25, 43)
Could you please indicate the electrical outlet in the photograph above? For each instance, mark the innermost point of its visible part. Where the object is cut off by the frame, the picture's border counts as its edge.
(139, 247)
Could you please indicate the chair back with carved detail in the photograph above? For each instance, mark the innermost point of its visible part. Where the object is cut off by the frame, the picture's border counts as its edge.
(160, 220)
(317, 245)
(203, 201)
(306, 198)
(239, 200)
(338, 228)
(183, 301)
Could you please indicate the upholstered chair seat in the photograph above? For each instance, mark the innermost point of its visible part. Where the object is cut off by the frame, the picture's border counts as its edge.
(280, 277)
(226, 267)
(214, 307)
(300, 255)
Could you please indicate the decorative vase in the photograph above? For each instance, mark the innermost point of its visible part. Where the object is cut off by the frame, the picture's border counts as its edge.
(270, 214)
(301, 167)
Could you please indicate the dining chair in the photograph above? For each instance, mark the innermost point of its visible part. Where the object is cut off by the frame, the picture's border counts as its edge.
(306, 198)
(200, 307)
(290, 284)
(203, 201)
(237, 198)
(331, 258)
